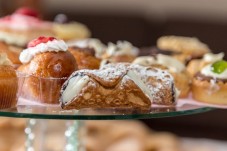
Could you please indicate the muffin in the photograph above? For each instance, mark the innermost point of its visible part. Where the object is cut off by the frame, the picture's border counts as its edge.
(47, 63)
(8, 83)
(210, 84)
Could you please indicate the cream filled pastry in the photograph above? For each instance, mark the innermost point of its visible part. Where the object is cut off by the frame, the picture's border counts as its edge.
(48, 63)
(210, 84)
(118, 85)
(187, 48)
(195, 65)
(93, 43)
(104, 89)
(122, 51)
(8, 83)
(175, 67)
(22, 26)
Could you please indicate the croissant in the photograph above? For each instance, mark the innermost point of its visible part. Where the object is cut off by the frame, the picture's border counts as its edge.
(104, 89)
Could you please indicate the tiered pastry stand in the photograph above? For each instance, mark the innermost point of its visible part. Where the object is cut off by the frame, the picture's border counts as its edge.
(38, 115)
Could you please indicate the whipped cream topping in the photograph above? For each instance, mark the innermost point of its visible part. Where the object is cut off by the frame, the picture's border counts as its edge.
(75, 85)
(210, 57)
(207, 71)
(4, 60)
(23, 22)
(51, 46)
(89, 43)
(121, 48)
(171, 63)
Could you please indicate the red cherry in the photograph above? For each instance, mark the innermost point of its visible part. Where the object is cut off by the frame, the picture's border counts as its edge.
(40, 40)
(27, 11)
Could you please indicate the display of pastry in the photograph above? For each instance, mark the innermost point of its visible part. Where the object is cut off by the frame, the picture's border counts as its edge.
(8, 83)
(48, 63)
(210, 84)
(196, 65)
(187, 48)
(176, 68)
(122, 51)
(23, 26)
(93, 43)
(85, 58)
(69, 30)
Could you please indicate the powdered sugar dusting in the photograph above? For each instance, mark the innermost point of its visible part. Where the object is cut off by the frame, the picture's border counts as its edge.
(156, 79)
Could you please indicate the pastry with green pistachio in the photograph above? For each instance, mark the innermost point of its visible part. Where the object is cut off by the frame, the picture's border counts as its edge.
(210, 84)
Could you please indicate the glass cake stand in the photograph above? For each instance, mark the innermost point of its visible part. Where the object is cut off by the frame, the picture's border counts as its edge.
(37, 125)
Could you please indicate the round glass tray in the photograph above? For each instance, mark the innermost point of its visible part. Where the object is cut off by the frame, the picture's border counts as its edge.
(55, 112)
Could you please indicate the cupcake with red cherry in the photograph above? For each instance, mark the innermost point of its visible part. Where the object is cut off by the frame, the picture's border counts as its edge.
(210, 84)
(47, 63)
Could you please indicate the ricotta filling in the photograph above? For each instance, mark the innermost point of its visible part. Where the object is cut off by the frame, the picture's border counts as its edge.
(74, 87)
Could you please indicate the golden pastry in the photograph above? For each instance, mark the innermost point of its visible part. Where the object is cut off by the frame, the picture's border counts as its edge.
(91, 43)
(12, 52)
(210, 84)
(123, 51)
(8, 83)
(160, 83)
(195, 65)
(182, 79)
(186, 47)
(104, 89)
(48, 63)
(69, 30)
(85, 58)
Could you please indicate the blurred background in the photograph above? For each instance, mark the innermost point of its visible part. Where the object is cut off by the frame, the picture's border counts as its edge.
(141, 22)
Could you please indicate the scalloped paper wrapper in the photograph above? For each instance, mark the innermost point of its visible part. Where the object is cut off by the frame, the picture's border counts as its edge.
(38, 90)
(8, 92)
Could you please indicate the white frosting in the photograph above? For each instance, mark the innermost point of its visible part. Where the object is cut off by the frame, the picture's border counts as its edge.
(172, 64)
(4, 59)
(22, 22)
(75, 85)
(137, 80)
(89, 43)
(210, 57)
(207, 71)
(51, 46)
(121, 48)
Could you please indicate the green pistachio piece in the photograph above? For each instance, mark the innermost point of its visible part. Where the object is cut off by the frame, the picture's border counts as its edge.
(219, 66)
